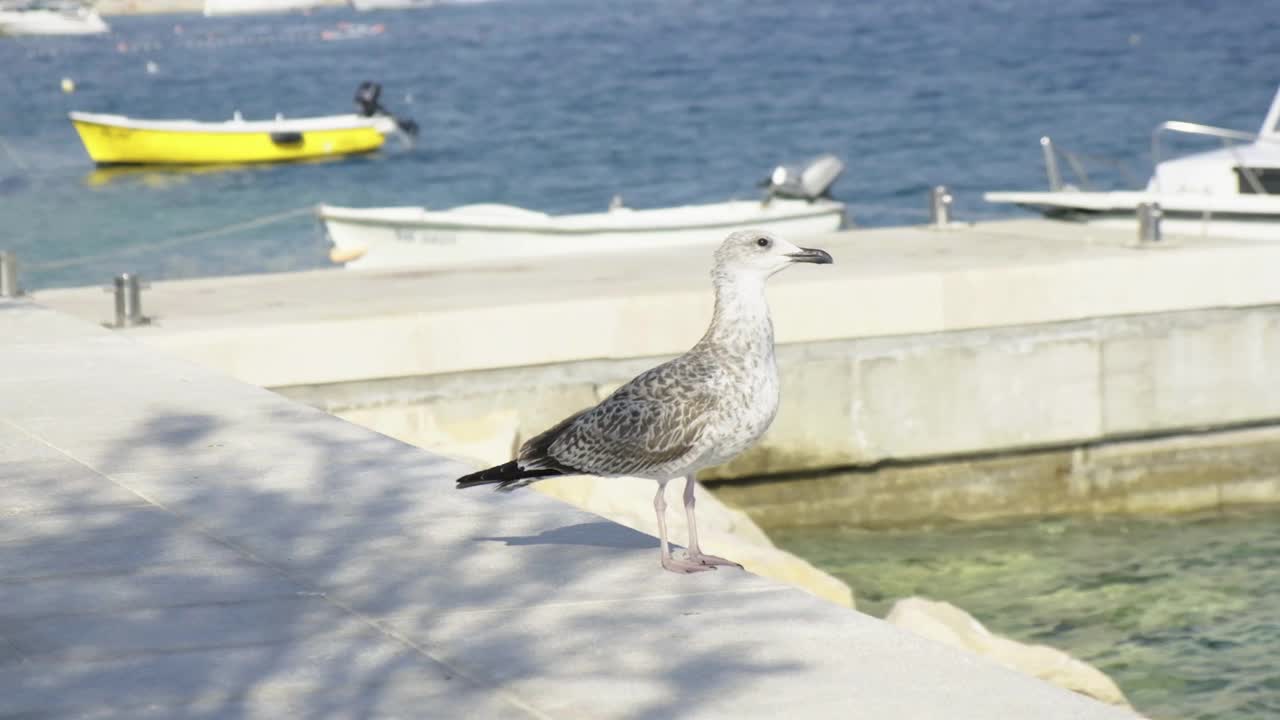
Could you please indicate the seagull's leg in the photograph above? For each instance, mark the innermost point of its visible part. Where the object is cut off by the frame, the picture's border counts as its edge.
(695, 553)
(668, 562)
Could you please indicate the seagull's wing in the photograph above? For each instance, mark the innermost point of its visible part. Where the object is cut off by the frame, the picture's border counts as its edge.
(653, 420)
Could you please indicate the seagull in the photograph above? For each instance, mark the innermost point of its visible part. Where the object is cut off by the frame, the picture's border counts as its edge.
(695, 411)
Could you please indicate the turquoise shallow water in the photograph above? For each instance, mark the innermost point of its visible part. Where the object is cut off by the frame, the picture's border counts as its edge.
(560, 104)
(1183, 613)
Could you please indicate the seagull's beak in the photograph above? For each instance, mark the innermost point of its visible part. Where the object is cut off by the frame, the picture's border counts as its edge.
(811, 255)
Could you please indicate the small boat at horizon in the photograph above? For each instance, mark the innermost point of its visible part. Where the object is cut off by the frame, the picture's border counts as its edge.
(49, 17)
(797, 202)
(214, 8)
(121, 140)
(1233, 191)
(368, 5)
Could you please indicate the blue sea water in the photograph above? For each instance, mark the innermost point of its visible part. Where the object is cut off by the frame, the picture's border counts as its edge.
(560, 104)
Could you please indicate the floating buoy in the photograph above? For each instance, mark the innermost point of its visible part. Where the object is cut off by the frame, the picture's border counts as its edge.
(68, 85)
(152, 68)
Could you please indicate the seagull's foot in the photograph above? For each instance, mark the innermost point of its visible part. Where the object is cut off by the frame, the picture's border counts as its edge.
(684, 567)
(712, 560)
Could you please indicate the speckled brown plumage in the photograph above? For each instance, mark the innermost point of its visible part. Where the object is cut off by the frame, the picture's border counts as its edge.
(697, 410)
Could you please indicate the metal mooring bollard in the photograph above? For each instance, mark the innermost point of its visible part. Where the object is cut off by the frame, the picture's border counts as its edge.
(9, 275)
(1149, 215)
(128, 291)
(940, 206)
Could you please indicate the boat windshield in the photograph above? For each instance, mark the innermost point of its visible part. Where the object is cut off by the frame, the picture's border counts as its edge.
(1271, 126)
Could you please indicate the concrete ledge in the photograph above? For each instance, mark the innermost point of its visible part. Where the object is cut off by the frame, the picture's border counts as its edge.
(906, 399)
(1184, 473)
(177, 543)
(340, 326)
(928, 344)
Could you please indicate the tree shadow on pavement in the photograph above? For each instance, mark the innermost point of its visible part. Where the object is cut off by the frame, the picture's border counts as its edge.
(264, 559)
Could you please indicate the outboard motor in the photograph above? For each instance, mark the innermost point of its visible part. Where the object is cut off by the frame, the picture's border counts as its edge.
(810, 181)
(368, 103)
(367, 96)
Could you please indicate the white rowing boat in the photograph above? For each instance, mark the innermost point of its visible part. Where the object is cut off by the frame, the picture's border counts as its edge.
(247, 7)
(797, 205)
(367, 5)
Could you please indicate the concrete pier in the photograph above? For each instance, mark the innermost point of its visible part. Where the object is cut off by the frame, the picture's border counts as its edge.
(920, 359)
(177, 543)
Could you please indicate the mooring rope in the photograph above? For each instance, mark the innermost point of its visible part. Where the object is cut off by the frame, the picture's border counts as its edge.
(174, 241)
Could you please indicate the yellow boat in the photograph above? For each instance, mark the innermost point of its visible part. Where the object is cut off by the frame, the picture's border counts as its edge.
(119, 140)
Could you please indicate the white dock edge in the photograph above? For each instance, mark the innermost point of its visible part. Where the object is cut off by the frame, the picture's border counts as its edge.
(179, 544)
(335, 326)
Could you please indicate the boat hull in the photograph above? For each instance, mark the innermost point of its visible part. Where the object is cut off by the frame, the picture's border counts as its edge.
(49, 22)
(214, 8)
(368, 5)
(398, 237)
(1250, 217)
(1253, 227)
(111, 143)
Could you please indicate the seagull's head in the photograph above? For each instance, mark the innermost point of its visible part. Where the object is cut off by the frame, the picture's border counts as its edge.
(756, 253)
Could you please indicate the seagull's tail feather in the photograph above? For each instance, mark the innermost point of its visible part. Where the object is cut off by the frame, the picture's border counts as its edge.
(507, 476)
(535, 456)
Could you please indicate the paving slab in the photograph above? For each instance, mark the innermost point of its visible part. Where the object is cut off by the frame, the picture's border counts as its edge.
(179, 544)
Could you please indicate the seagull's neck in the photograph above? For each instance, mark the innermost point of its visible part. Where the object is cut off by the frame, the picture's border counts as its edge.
(741, 323)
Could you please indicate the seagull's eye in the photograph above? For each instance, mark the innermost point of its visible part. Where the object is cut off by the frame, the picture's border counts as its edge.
(763, 242)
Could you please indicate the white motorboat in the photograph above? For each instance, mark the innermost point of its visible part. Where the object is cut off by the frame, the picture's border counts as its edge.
(797, 204)
(1233, 191)
(50, 17)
